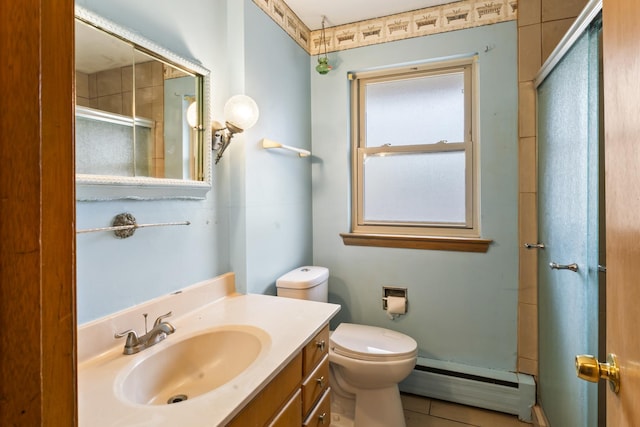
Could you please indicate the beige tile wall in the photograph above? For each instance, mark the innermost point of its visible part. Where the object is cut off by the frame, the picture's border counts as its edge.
(541, 25)
(112, 91)
(82, 89)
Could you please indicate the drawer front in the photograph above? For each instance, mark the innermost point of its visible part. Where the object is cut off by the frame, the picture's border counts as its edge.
(315, 350)
(315, 385)
(291, 414)
(321, 414)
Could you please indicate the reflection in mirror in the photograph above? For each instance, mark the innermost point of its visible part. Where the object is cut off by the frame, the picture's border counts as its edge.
(132, 131)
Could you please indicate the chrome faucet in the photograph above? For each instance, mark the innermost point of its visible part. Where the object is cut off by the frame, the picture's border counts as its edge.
(159, 332)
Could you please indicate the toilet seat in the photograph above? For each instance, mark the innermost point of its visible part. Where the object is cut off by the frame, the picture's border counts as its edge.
(372, 343)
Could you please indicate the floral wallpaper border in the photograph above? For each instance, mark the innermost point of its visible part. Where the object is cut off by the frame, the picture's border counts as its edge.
(417, 23)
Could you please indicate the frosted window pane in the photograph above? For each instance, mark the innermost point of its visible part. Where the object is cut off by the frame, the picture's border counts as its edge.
(415, 188)
(421, 110)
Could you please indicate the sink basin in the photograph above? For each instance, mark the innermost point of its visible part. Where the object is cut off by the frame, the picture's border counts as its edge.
(193, 366)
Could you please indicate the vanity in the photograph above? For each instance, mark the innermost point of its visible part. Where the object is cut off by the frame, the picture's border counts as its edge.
(212, 357)
(233, 360)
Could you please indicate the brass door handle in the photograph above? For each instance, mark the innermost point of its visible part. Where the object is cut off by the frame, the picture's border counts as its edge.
(588, 368)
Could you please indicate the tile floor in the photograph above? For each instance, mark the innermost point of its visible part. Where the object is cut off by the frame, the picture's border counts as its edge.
(424, 412)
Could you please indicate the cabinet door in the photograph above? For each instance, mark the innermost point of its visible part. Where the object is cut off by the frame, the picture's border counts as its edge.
(268, 402)
(291, 414)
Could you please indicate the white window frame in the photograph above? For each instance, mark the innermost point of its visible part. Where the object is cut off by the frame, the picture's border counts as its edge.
(359, 80)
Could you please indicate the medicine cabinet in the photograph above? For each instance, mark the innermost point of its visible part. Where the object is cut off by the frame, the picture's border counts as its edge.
(140, 115)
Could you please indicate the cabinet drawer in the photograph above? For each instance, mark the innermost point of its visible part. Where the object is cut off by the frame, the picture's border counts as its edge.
(291, 414)
(314, 385)
(321, 414)
(315, 350)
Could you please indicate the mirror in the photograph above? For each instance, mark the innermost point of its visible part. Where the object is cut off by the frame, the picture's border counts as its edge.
(140, 111)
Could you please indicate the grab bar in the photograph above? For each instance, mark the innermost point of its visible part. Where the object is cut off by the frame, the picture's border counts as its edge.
(534, 245)
(124, 225)
(555, 266)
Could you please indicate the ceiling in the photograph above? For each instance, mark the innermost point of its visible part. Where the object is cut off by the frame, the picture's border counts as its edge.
(339, 12)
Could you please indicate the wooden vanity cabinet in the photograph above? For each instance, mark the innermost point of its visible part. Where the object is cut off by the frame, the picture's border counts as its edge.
(315, 380)
(275, 397)
(298, 396)
(291, 414)
(321, 413)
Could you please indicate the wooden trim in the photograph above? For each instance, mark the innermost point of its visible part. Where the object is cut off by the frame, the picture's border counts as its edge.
(37, 211)
(621, 43)
(58, 213)
(459, 244)
(359, 150)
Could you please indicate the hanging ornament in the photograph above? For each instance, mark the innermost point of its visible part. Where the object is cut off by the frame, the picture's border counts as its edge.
(323, 66)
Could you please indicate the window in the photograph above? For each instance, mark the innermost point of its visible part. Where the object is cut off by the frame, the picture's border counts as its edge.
(414, 169)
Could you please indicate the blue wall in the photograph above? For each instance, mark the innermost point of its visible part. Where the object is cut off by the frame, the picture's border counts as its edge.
(270, 211)
(463, 306)
(278, 183)
(256, 221)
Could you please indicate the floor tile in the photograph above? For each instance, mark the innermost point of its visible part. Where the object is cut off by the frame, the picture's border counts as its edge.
(416, 419)
(474, 416)
(415, 403)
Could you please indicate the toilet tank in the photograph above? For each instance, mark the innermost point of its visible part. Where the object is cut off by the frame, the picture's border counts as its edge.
(308, 282)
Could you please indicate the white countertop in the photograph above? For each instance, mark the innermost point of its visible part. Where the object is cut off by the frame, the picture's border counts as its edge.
(290, 324)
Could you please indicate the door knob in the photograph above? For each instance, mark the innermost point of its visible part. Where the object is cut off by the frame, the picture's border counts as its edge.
(588, 368)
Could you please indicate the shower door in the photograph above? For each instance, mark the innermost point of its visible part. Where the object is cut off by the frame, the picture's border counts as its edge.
(568, 167)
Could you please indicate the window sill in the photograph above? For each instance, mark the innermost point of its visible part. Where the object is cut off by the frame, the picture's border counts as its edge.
(459, 244)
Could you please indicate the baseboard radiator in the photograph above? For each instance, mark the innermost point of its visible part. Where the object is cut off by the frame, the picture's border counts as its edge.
(507, 392)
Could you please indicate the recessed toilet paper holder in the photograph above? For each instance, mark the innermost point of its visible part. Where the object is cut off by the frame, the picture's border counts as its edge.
(393, 291)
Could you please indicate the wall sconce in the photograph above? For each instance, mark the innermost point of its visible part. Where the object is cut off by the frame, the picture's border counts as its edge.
(240, 113)
(192, 115)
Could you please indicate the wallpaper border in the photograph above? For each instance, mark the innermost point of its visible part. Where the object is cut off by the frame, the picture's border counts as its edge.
(417, 23)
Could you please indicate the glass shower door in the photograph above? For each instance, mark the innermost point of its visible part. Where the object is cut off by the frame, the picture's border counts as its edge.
(568, 188)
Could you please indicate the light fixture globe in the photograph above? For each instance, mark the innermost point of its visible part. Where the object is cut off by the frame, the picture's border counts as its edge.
(241, 113)
(192, 115)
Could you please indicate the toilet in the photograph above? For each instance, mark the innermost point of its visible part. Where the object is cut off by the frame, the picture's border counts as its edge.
(366, 362)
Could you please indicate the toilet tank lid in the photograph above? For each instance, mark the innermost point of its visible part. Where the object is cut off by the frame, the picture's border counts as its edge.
(303, 277)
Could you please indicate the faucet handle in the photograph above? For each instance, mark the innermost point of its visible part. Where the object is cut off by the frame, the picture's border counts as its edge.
(161, 318)
(132, 337)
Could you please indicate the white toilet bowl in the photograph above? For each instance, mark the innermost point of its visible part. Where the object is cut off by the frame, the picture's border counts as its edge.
(367, 363)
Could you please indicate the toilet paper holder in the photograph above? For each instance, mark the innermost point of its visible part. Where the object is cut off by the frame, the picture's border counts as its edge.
(393, 291)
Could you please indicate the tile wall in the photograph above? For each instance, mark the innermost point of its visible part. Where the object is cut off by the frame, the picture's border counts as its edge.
(541, 25)
(112, 91)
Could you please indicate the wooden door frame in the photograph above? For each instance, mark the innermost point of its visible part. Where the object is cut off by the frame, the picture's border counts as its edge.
(621, 40)
(37, 214)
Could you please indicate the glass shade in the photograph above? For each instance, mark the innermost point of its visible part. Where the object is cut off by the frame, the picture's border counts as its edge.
(241, 112)
(192, 114)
